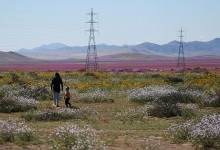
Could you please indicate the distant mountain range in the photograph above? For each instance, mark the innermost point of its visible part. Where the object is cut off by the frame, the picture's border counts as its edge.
(12, 57)
(15, 58)
(61, 51)
(143, 52)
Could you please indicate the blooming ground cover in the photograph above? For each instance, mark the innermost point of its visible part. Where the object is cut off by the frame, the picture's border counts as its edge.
(11, 101)
(73, 137)
(206, 131)
(128, 107)
(11, 130)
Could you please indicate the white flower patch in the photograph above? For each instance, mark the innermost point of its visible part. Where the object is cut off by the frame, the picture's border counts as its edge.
(151, 93)
(154, 93)
(10, 102)
(75, 138)
(25, 101)
(95, 96)
(12, 128)
(208, 127)
(205, 132)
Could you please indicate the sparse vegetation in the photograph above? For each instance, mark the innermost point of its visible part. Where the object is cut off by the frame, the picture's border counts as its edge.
(204, 132)
(59, 114)
(126, 106)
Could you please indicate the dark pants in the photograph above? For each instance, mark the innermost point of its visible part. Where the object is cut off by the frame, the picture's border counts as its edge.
(67, 103)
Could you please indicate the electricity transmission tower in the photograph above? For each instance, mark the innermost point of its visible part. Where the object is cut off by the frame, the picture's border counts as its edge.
(91, 58)
(181, 58)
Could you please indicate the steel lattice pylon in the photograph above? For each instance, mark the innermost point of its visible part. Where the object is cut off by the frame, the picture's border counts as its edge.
(91, 58)
(181, 58)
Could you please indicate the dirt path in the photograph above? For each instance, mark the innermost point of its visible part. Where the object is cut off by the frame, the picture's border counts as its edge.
(150, 143)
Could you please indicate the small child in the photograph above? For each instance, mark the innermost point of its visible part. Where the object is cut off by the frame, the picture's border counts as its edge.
(67, 98)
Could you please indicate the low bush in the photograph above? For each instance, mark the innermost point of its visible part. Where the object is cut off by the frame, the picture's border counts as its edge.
(176, 94)
(165, 106)
(37, 93)
(11, 130)
(94, 97)
(76, 138)
(205, 132)
(9, 102)
(188, 111)
(163, 101)
(190, 95)
(213, 100)
(179, 133)
(155, 76)
(150, 94)
(174, 79)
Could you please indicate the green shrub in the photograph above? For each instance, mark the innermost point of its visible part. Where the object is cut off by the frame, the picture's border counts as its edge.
(26, 136)
(174, 80)
(188, 111)
(166, 106)
(213, 100)
(179, 133)
(155, 76)
(190, 95)
(6, 136)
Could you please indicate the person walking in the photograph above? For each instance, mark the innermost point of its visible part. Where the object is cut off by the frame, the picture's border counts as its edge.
(55, 86)
(67, 98)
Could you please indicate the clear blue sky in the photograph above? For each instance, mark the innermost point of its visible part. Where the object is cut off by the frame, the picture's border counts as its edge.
(32, 23)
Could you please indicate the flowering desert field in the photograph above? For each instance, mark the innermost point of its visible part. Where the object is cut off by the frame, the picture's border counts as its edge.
(136, 75)
(111, 110)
